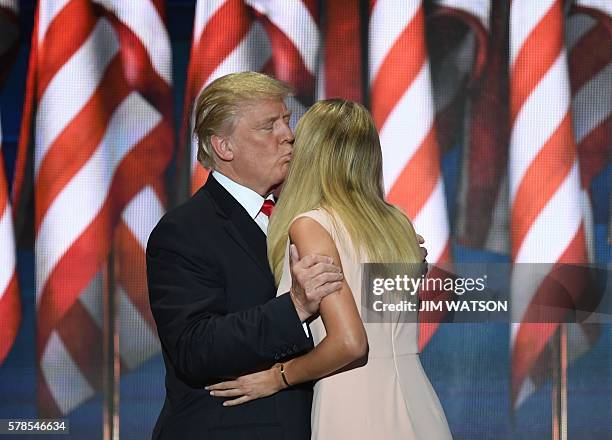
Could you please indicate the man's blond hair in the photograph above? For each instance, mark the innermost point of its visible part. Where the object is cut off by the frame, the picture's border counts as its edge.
(218, 106)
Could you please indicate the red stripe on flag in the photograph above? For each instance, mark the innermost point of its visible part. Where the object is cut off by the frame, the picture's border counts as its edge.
(83, 340)
(200, 175)
(139, 72)
(387, 92)
(547, 172)
(56, 48)
(46, 402)
(594, 151)
(72, 274)
(10, 311)
(422, 168)
(547, 38)
(342, 50)
(234, 18)
(131, 271)
(589, 55)
(161, 10)
(313, 8)
(287, 63)
(533, 335)
(79, 140)
(82, 260)
(207, 53)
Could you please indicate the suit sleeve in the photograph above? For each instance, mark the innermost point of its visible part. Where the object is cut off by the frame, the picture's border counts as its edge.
(187, 298)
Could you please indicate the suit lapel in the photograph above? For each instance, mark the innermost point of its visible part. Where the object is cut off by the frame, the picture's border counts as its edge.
(239, 225)
(243, 229)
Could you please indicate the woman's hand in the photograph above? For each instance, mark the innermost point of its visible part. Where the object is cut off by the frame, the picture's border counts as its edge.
(249, 387)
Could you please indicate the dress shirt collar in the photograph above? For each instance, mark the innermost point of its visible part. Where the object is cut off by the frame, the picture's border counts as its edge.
(249, 199)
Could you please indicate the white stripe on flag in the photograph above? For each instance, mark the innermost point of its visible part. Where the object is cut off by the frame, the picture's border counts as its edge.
(132, 120)
(142, 18)
(142, 214)
(63, 376)
(389, 19)
(47, 11)
(137, 342)
(528, 13)
(295, 22)
(204, 12)
(551, 233)
(531, 131)
(72, 87)
(406, 126)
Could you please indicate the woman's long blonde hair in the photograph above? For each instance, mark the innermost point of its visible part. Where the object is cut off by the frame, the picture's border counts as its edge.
(337, 166)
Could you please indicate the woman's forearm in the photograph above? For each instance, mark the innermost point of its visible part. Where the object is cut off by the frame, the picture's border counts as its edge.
(329, 356)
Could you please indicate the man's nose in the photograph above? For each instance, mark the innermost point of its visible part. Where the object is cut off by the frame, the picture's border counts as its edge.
(288, 134)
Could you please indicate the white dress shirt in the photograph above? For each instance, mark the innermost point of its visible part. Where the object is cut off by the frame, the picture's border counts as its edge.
(251, 201)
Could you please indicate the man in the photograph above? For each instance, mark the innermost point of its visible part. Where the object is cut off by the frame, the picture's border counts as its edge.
(211, 290)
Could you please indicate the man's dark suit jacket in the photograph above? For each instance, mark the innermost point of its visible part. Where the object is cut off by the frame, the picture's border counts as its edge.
(214, 302)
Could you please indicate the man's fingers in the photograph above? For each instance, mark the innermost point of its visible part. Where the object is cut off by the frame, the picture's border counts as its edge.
(327, 277)
(420, 239)
(238, 401)
(331, 288)
(321, 268)
(323, 290)
(311, 260)
(294, 256)
(423, 252)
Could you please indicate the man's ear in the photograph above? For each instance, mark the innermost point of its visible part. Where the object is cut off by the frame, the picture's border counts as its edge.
(222, 147)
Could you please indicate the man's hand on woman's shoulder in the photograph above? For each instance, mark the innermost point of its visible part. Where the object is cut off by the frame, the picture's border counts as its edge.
(312, 279)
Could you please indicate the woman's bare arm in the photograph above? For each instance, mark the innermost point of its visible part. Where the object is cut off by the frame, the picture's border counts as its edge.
(345, 342)
(346, 339)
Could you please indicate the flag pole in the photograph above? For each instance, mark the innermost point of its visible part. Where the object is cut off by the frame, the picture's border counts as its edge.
(563, 398)
(559, 388)
(111, 361)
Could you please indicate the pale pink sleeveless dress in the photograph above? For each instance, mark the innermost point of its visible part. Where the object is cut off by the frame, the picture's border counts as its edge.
(390, 397)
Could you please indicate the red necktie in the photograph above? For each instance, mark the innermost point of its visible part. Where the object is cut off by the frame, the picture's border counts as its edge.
(268, 206)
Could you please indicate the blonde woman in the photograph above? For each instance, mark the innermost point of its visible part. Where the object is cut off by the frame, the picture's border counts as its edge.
(369, 380)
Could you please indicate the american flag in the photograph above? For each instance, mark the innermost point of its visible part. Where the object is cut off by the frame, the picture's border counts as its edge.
(276, 37)
(589, 46)
(546, 217)
(97, 123)
(341, 55)
(483, 193)
(293, 30)
(10, 304)
(226, 39)
(403, 110)
(458, 38)
(482, 201)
